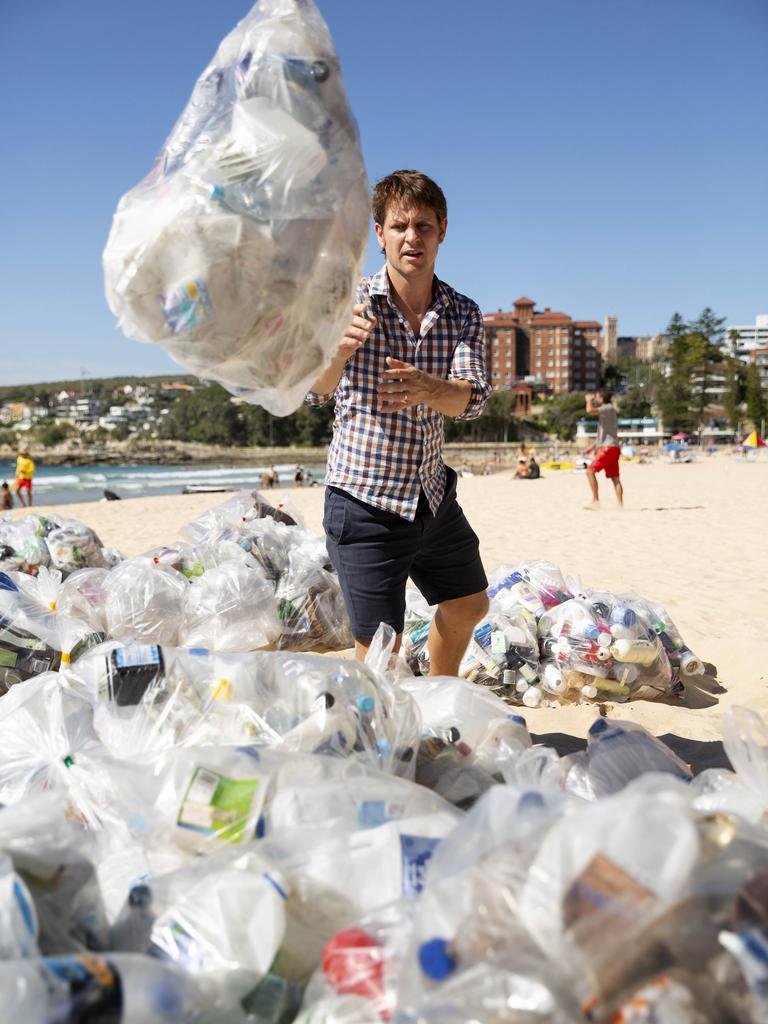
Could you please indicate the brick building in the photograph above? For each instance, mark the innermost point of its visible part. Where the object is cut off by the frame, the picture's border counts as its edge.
(547, 346)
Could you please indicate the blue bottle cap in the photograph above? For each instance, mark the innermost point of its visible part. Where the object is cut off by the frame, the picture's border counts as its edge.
(529, 800)
(519, 719)
(436, 960)
(599, 725)
(365, 704)
(591, 632)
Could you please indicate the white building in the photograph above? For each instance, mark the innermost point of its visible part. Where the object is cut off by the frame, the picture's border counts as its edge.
(751, 336)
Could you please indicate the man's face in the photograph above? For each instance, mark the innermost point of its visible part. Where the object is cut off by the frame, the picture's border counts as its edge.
(410, 237)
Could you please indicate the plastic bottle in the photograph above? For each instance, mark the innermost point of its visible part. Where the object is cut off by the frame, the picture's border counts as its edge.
(638, 652)
(353, 964)
(229, 925)
(18, 920)
(620, 751)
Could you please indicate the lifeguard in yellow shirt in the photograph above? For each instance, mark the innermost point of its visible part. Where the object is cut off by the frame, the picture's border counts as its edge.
(25, 469)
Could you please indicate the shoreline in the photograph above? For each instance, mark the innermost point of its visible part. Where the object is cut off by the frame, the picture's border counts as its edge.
(181, 452)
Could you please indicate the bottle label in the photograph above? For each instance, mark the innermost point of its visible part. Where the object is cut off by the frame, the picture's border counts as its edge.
(372, 813)
(217, 806)
(187, 306)
(136, 656)
(82, 990)
(416, 852)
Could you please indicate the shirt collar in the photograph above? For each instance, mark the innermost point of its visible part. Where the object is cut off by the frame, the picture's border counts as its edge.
(379, 285)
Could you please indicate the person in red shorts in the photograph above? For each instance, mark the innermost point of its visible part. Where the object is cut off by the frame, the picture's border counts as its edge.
(25, 469)
(606, 445)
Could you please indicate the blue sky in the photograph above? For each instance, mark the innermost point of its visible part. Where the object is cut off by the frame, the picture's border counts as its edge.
(601, 156)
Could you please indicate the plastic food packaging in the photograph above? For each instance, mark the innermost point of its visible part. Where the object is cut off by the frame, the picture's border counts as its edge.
(240, 251)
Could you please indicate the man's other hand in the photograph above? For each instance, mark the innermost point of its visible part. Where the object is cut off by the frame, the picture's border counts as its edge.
(403, 386)
(356, 334)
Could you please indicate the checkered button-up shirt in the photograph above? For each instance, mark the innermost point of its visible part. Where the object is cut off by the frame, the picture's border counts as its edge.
(386, 458)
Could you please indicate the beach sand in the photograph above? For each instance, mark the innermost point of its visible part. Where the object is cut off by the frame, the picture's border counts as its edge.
(691, 537)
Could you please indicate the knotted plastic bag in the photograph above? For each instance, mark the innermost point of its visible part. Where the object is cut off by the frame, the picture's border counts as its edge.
(240, 250)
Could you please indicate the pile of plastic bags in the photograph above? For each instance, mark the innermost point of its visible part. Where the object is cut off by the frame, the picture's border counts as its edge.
(250, 576)
(548, 640)
(240, 251)
(197, 836)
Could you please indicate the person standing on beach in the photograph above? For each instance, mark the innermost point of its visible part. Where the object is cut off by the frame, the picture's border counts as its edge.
(25, 470)
(412, 354)
(607, 446)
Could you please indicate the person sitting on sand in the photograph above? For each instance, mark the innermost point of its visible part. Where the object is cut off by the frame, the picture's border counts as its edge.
(523, 465)
(606, 444)
(298, 477)
(6, 501)
(25, 470)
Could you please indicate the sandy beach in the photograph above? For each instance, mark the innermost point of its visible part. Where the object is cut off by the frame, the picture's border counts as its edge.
(691, 536)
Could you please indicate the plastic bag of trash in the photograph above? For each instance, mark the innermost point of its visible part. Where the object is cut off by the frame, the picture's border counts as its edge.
(34, 636)
(617, 753)
(311, 607)
(22, 543)
(230, 608)
(359, 966)
(56, 861)
(239, 252)
(121, 987)
(73, 545)
(145, 601)
(597, 648)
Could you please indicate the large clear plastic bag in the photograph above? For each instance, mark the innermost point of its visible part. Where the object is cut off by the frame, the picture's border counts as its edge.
(34, 636)
(240, 251)
(145, 601)
(230, 608)
(22, 543)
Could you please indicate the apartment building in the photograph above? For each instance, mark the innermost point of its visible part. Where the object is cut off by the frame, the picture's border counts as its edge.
(546, 345)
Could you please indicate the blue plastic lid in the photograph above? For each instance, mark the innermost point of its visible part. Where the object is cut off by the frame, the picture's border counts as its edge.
(436, 960)
(519, 719)
(365, 704)
(599, 725)
(530, 799)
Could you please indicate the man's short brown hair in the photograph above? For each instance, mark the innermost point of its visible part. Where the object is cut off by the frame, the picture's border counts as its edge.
(411, 188)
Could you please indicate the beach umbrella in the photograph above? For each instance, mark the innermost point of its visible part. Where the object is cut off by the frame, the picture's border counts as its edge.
(754, 441)
(680, 436)
(673, 446)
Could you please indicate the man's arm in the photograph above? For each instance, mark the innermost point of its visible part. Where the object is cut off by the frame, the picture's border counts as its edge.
(354, 338)
(593, 409)
(463, 395)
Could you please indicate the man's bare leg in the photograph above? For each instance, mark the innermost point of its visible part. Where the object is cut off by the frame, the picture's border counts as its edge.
(592, 478)
(451, 631)
(619, 491)
(20, 496)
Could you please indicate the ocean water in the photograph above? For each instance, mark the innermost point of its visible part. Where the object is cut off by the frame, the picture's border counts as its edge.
(64, 485)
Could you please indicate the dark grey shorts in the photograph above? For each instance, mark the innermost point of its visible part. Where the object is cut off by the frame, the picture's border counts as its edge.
(374, 552)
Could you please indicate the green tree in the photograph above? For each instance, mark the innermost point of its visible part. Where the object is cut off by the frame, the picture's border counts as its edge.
(756, 399)
(207, 416)
(562, 413)
(734, 391)
(635, 404)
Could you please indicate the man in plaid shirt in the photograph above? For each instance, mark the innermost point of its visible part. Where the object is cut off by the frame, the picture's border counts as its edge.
(413, 354)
